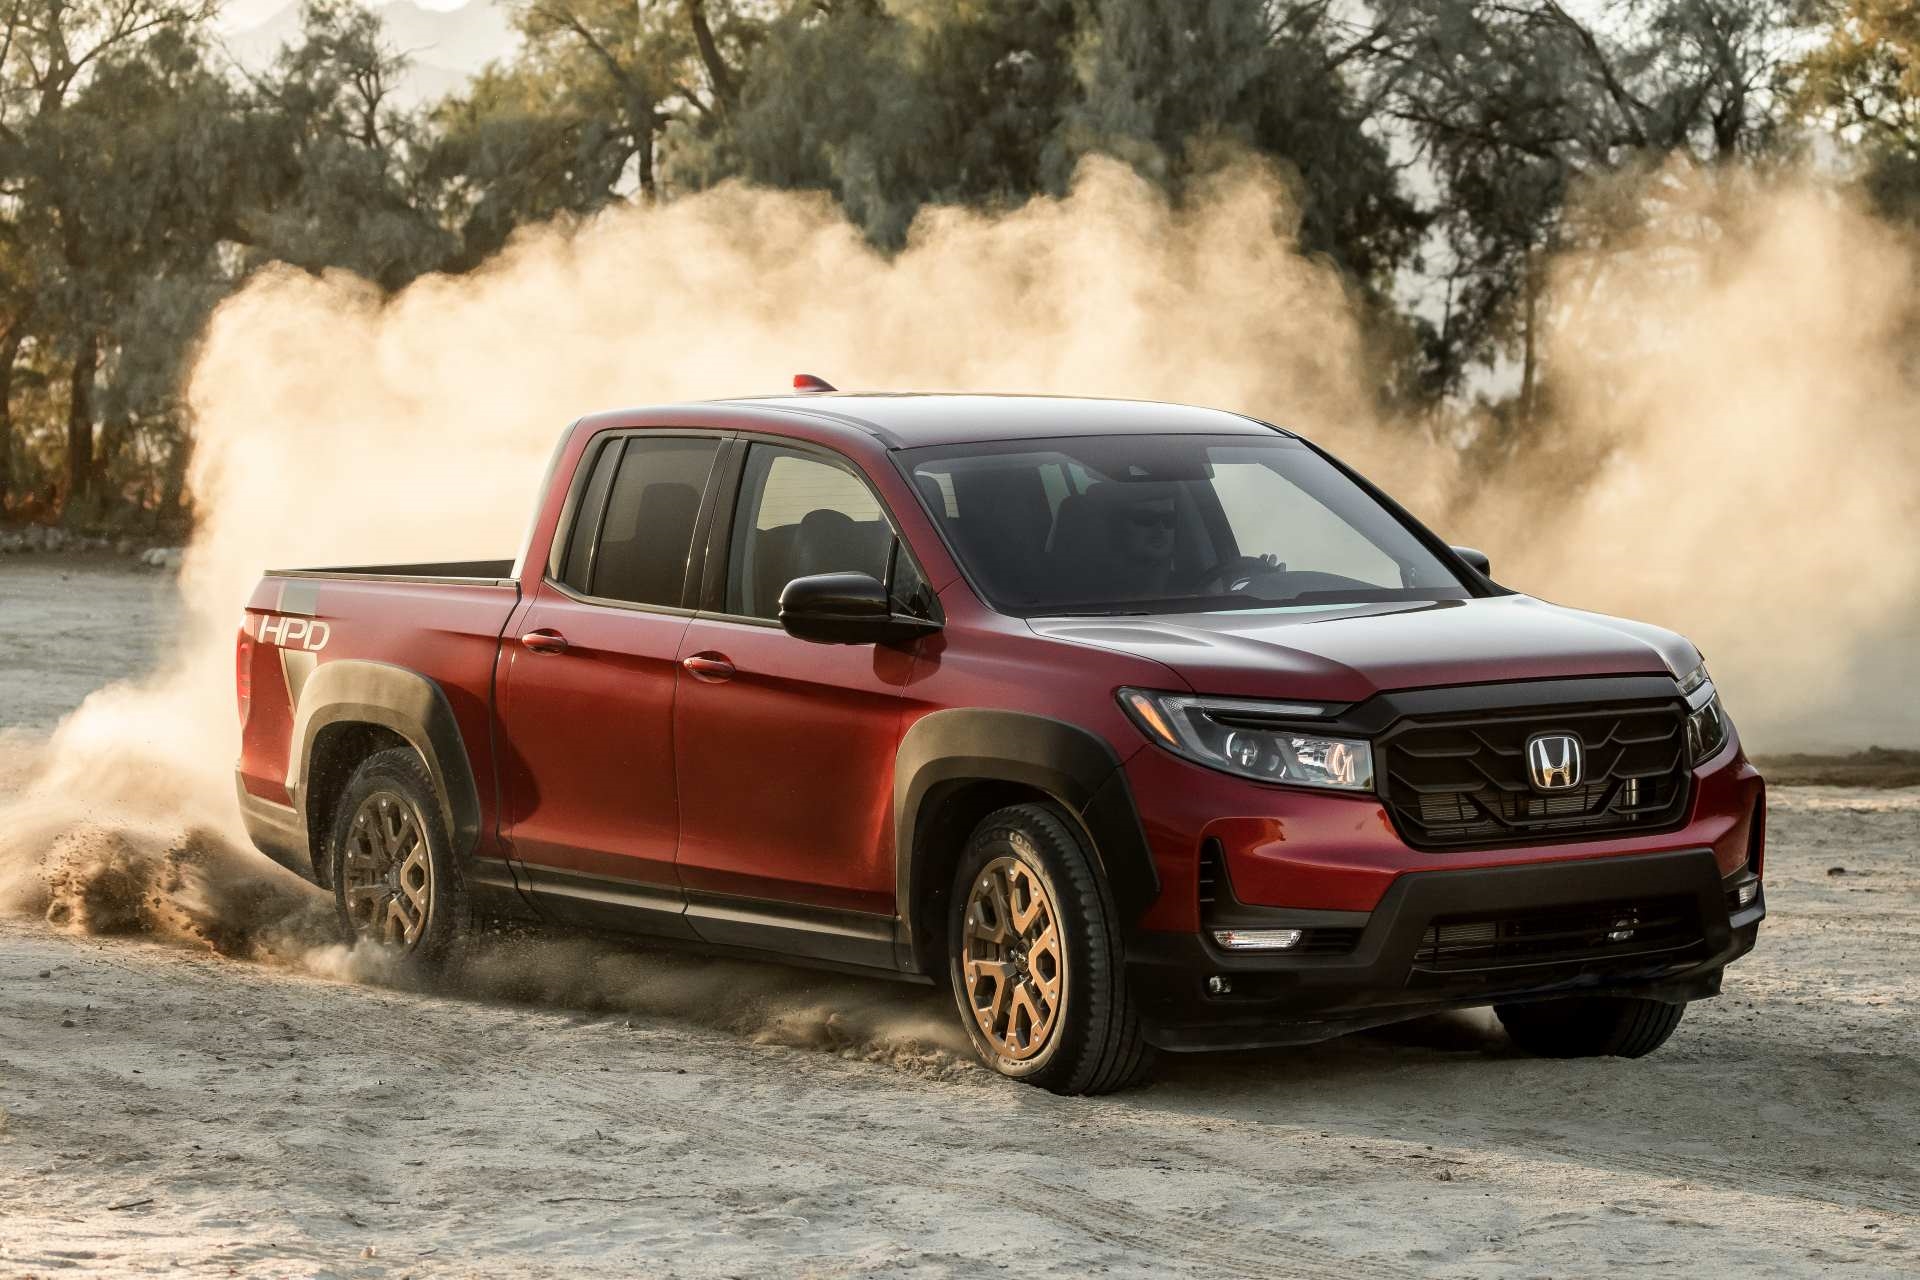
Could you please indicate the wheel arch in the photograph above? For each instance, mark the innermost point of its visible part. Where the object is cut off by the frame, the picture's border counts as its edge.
(956, 766)
(351, 708)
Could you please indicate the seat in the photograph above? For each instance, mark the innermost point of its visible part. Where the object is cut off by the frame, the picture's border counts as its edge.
(630, 567)
(1081, 551)
(1003, 523)
(829, 541)
(823, 541)
(1088, 557)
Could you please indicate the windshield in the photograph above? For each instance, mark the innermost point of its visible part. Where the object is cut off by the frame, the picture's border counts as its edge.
(1168, 524)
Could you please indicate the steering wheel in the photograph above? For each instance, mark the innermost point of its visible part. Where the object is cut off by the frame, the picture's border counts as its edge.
(1231, 574)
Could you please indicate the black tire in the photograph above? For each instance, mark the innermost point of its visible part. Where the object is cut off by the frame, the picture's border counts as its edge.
(1094, 1041)
(1591, 1027)
(385, 782)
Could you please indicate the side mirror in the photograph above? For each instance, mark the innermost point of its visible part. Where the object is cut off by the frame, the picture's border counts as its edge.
(1478, 559)
(846, 608)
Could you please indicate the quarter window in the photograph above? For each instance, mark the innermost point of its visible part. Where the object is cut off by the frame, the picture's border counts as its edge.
(577, 572)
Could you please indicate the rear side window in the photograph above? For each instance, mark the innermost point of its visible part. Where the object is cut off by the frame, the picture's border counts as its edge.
(634, 530)
(798, 515)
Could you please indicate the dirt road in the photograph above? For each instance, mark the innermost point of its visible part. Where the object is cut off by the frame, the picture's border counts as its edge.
(610, 1111)
(69, 624)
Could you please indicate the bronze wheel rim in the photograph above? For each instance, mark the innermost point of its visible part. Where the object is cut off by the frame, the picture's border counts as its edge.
(1012, 959)
(388, 872)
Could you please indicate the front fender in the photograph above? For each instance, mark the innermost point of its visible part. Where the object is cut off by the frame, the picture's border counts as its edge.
(1073, 765)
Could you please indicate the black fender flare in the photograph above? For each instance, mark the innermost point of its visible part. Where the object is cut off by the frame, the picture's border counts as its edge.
(353, 691)
(1073, 765)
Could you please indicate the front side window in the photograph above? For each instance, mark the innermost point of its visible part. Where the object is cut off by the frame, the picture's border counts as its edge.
(633, 532)
(1169, 524)
(800, 514)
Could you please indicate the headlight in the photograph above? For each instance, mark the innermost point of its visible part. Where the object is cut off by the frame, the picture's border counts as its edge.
(1706, 722)
(1245, 738)
(1706, 730)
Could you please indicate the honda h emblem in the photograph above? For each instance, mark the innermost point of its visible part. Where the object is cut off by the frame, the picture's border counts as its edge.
(1553, 761)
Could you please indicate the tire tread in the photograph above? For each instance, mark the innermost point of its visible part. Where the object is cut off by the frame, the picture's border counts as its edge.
(1591, 1026)
(1113, 1054)
(452, 924)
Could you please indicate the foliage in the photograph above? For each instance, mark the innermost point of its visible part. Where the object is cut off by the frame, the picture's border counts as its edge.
(1864, 82)
(1514, 106)
(1441, 151)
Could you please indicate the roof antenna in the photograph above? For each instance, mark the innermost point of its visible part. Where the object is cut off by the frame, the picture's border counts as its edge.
(808, 385)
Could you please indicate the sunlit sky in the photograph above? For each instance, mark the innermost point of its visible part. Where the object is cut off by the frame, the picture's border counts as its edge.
(238, 15)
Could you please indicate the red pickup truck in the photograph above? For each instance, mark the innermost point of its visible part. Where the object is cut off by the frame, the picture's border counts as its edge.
(1142, 726)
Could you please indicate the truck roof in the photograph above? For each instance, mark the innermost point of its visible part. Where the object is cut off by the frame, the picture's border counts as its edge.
(910, 420)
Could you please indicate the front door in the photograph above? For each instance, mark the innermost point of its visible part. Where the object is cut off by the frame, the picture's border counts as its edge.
(586, 704)
(786, 748)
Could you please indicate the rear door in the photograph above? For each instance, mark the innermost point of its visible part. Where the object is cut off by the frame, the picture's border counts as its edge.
(785, 748)
(587, 703)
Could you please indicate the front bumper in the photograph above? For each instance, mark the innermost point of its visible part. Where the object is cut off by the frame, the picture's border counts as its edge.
(1392, 970)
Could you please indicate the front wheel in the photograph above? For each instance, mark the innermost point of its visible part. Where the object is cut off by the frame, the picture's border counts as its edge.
(1591, 1026)
(1035, 958)
(395, 882)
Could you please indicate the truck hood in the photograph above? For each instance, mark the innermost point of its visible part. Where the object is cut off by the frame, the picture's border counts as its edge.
(1347, 653)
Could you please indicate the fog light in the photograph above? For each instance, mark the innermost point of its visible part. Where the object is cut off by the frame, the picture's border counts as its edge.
(1257, 939)
(1747, 892)
(1218, 985)
(1622, 929)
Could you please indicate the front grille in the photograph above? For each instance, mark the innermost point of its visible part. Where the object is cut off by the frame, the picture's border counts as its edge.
(1590, 931)
(1454, 781)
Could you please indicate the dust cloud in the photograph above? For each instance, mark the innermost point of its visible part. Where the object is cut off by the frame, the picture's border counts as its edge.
(1729, 450)
(1732, 448)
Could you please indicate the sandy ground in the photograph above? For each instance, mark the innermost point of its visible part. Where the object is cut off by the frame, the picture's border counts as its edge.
(602, 1109)
(69, 624)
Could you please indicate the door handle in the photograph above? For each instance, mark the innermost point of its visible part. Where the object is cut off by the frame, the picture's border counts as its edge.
(711, 667)
(544, 641)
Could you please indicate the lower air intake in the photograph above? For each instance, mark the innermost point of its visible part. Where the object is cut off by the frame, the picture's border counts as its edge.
(1590, 931)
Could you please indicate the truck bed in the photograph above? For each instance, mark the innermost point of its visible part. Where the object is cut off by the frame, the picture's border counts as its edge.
(408, 648)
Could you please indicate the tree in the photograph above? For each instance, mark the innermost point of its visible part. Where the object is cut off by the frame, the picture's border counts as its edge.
(1864, 82)
(631, 59)
(50, 50)
(1513, 105)
(138, 172)
(1157, 74)
(890, 110)
(587, 113)
(342, 174)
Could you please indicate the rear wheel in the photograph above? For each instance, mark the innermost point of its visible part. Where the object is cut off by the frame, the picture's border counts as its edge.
(395, 882)
(1035, 957)
(1591, 1027)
